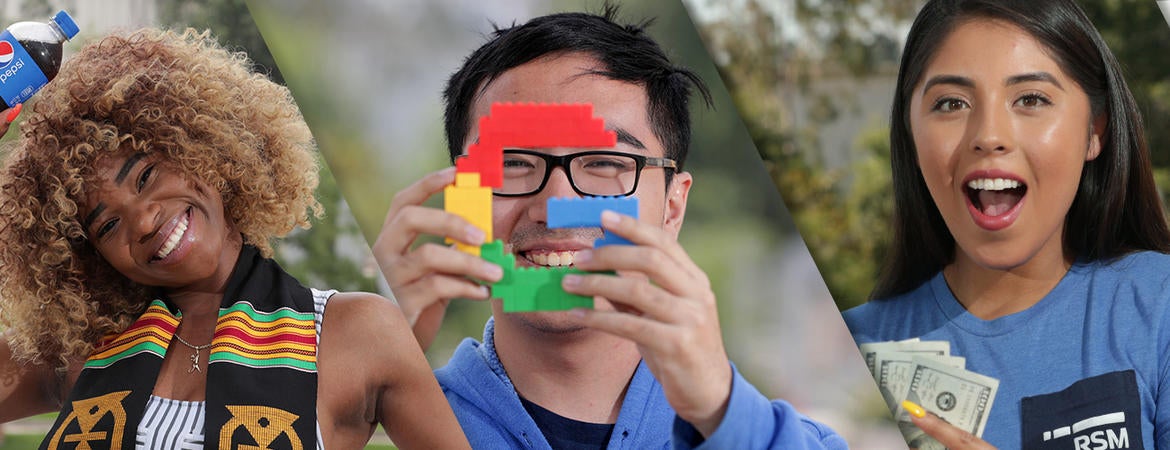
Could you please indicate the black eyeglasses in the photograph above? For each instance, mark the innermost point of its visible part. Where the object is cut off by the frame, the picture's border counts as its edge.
(597, 173)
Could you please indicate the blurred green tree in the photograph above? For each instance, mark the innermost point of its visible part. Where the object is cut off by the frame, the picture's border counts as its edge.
(229, 21)
(842, 212)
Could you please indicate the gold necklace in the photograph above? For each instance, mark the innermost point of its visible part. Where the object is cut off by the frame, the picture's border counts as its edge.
(195, 356)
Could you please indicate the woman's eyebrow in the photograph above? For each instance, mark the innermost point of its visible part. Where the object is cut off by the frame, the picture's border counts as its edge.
(1033, 76)
(92, 216)
(948, 79)
(127, 166)
(118, 179)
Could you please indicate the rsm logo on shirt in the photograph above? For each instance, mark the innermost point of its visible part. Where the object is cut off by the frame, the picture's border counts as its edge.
(1101, 440)
(1095, 413)
(1088, 435)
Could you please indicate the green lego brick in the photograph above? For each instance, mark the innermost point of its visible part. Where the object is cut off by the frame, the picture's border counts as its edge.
(539, 289)
(493, 252)
(528, 289)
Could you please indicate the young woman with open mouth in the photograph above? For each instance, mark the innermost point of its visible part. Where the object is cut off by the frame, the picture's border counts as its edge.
(1028, 231)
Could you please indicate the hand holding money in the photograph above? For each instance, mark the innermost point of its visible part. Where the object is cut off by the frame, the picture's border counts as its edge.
(925, 373)
(947, 435)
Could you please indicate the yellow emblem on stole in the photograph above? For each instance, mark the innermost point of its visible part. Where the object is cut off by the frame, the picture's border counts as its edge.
(87, 413)
(263, 423)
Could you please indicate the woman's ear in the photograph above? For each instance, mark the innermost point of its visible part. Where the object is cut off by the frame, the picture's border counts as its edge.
(1096, 136)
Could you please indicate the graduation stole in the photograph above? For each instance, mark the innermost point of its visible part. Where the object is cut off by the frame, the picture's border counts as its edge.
(261, 371)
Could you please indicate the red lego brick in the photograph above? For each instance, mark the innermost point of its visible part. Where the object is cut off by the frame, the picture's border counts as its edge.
(531, 125)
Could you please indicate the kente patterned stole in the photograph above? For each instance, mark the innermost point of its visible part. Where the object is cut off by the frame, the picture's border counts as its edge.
(261, 375)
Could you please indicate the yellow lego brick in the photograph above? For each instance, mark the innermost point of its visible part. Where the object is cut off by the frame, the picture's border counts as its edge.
(473, 204)
(467, 179)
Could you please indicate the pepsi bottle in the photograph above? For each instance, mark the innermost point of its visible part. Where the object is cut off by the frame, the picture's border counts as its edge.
(30, 56)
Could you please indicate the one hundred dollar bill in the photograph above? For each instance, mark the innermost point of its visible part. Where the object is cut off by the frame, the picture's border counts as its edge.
(896, 369)
(869, 350)
(960, 397)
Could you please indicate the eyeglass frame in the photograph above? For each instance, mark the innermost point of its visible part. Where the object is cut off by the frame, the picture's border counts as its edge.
(553, 161)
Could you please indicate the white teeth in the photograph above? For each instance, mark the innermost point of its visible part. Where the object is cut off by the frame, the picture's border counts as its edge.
(993, 184)
(173, 239)
(553, 259)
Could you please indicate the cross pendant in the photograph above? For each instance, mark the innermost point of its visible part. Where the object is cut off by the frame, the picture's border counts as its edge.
(195, 363)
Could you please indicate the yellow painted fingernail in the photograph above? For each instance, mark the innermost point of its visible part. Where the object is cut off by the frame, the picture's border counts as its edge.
(914, 409)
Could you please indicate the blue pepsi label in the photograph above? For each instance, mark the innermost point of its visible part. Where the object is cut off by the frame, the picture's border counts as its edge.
(20, 77)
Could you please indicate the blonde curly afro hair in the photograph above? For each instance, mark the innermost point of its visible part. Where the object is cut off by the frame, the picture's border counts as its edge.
(180, 96)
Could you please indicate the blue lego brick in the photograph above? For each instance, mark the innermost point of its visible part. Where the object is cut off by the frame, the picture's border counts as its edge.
(574, 212)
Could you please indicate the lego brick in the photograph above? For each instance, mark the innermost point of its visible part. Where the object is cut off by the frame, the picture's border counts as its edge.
(493, 252)
(530, 125)
(571, 212)
(539, 289)
(487, 161)
(467, 179)
(473, 204)
(527, 289)
(537, 125)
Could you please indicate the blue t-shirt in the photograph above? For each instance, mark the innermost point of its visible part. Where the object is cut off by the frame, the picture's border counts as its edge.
(492, 415)
(1085, 367)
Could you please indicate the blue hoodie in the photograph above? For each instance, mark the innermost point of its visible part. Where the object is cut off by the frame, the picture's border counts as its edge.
(488, 408)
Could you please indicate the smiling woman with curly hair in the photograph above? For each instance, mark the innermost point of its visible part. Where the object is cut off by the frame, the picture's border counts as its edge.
(213, 119)
(138, 206)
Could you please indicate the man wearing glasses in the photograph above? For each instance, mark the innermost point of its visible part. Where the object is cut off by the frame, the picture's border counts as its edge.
(647, 367)
(590, 173)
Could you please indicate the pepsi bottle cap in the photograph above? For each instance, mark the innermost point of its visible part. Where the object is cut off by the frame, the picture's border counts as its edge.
(68, 26)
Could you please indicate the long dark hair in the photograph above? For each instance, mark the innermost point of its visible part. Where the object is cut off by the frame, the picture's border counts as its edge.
(1116, 209)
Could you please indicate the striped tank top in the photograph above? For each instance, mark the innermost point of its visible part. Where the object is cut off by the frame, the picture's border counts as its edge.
(178, 424)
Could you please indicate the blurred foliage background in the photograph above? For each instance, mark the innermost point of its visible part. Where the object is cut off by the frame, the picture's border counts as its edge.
(368, 76)
(814, 81)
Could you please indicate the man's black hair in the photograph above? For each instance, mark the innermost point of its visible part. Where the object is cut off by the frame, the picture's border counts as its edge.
(626, 53)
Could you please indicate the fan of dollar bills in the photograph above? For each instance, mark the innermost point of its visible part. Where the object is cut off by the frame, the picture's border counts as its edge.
(925, 373)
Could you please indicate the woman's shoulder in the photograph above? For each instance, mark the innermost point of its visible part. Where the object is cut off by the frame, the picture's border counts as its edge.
(1140, 258)
(1147, 268)
(1138, 283)
(365, 336)
(357, 311)
(885, 318)
(898, 303)
(354, 322)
